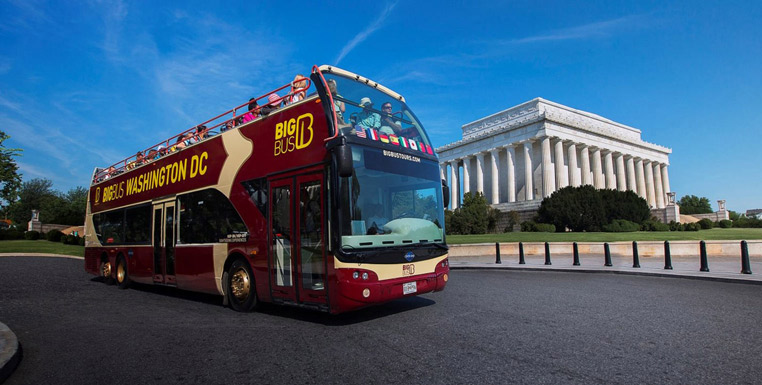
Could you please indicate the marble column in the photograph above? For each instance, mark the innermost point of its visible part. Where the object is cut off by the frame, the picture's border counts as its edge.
(443, 171)
(632, 183)
(562, 177)
(528, 183)
(650, 192)
(495, 187)
(598, 180)
(466, 174)
(658, 186)
(621, 178)
(574, 178)
(640, 175)
(665, 178)
(511, 163)
(610, 178)
(453, 184)
(480, 172)
(585, 159)
(548, 179)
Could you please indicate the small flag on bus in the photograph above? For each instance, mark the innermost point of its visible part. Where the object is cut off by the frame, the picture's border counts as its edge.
(373, 134)
(413, 145)
(384, 138)
(360, 131)
(395, 140)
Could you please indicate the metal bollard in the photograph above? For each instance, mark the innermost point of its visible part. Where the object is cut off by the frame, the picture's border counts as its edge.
(521, 254)
(635, 258)
(576, 254)
(547, 253)
(704, 261)
(667, 256)
(497, 253)
(606, 254)
(745, 265)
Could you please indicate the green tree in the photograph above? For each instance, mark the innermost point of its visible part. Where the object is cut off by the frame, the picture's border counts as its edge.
(691, 204)
(36, 194)
(10, 179)
(474, 216)
(576, 208)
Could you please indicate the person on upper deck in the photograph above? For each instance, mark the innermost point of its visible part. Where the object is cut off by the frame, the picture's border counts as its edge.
(274, 103)
(367, 118)
(298, 84)
(253, 111)
(338, 105)
(389, 124)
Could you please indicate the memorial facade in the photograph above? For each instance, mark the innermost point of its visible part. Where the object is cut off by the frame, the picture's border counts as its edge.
(521, 155)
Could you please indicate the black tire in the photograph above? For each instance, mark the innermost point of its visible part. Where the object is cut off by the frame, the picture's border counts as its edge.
(122, 275)
(239, 286)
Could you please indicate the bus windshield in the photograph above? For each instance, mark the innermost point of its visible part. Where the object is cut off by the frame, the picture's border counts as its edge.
(391, 199)
(363, 108)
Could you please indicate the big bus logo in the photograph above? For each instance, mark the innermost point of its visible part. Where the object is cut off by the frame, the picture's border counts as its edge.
(293, 134)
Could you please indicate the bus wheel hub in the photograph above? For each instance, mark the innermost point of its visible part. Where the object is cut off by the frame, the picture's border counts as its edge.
(240, 285)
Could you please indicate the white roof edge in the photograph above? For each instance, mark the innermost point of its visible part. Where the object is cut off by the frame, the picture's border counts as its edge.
(352, 75)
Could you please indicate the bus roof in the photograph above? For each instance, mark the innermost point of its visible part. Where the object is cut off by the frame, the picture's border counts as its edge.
(341, 72)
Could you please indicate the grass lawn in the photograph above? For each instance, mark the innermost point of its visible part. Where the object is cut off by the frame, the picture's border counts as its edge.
(706, 235)
(40, 246)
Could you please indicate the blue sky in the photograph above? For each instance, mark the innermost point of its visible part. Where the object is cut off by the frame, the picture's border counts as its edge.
(84, 84)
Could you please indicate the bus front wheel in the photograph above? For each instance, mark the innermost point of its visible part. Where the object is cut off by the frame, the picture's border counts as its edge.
(122, 277)
(239, 286)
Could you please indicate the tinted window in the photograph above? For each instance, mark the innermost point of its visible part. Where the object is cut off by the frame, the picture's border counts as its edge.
(138, 224)
(207, 216)
(112, 227)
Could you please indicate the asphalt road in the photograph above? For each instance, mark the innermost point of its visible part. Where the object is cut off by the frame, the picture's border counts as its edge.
(486, 327)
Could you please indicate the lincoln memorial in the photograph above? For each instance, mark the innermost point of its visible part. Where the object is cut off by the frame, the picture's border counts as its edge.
(521, 155)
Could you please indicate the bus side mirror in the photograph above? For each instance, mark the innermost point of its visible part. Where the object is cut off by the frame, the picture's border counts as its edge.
(343, 160)
(445, 193)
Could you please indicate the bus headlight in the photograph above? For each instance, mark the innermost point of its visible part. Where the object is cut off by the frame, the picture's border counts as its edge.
(365, 276)
(356, 275)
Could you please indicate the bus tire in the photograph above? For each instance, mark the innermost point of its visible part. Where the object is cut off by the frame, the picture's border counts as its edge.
(239, 286)
(106, 273)
(122, 276)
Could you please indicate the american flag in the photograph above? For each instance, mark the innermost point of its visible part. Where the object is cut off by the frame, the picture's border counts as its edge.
(359, 131)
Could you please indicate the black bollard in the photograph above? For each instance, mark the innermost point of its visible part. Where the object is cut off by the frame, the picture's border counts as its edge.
(704, 261)
(635, 258)
(606, 255)
(576, 254)
(497, 253)
(745, 265)
(521, 254)
(547, 253)
(667, 257)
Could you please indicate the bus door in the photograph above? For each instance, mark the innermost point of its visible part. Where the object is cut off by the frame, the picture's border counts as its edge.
(297, 253)
(164, 243)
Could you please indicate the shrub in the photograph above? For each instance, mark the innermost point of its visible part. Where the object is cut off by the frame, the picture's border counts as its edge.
(32, 235)
(726, 224)
(531, 226)
(706, 223)
(621, 226)
(81, 241)
(513, 220)
(674, 226)
(11, 234)
(475, 216)
(71, 240)
(652, 225)
(53, 235)
(586, 209)
(692, 226)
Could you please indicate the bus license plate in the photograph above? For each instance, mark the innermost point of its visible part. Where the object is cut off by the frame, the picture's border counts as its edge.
(409, 288)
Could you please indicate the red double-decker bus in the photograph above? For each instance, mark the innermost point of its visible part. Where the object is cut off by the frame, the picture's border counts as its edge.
(325, 193)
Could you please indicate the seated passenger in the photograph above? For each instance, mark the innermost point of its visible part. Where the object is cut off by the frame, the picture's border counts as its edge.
(110, 172)
(367, 118)
(389, 125)
(200, 134)
(274, 103)
(253, 111)
(139, 158)
(298, 84)
(151, 156)
(162, 151)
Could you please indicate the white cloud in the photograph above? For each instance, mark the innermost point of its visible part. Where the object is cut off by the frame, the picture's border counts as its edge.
(587, 31)
(360, 37)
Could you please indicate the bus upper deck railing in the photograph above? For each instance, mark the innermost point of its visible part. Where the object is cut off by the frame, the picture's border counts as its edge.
(230, 119)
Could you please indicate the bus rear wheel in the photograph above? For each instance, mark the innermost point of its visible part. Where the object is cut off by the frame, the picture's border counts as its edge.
(239, 286)
(122, 277)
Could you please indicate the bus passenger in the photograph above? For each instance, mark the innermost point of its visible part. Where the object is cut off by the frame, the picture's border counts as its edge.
(152, 155)
(367, 118)
(201, 134)
(253, 111)
(338, 105)
(389, 125)
(139, 158)
(162, 151)
(295, 95)
(274, 103)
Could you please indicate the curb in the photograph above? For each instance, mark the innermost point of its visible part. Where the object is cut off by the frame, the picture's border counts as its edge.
(10, 352)
(39, 255)
(624, 272)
